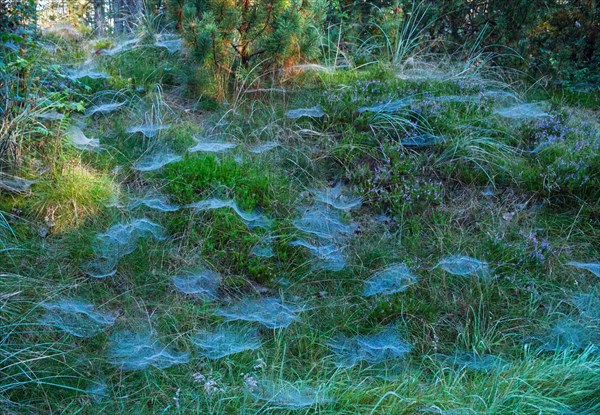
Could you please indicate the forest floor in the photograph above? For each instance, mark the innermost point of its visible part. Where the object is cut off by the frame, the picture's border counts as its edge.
(418, 240)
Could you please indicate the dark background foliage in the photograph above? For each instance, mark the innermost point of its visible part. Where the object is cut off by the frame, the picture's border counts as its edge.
(555, 37)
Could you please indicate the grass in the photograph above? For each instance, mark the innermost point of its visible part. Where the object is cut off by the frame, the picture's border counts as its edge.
(73, 196)
(478, 192)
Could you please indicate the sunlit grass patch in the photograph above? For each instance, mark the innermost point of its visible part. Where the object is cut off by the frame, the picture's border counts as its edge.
(199, 176)
(73, 194)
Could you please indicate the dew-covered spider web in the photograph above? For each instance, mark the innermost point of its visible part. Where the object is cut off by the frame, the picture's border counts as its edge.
(211, 146)
(76, 317)
(118, 241)
(593, 267)
(138, 350)
(264, 147)
(328, 256)
(105, 108)
(388, 107)
(203, 284)
(336, 198)
(464, 266)
(395, 278)
(476, 362)
(270, 312)
(155, 202)
(312, 112)
(283, 394)
(376, 348)
(226, 340)
(523, 111)
(324, 223)
(147, 130)
(79, 140)
(251, 219)
(156, 161)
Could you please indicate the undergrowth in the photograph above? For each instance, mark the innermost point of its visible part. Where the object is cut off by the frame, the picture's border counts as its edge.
(520, 195)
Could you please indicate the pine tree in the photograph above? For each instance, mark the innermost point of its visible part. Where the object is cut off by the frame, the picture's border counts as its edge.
(230, 35)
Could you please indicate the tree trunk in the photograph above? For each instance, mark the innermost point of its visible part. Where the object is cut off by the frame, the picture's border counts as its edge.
(99, 16)
(244, 46)
(118, 16)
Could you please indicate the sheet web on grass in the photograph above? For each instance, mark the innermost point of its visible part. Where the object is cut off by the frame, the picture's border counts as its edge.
(118, 241)
(395, 278)
(329, 231)
(335, 197)
(263, 248)
(424, 72)
(104, 108)
(283, 394)
(50, 116)
(156, 161)
(123, 46)
(588, 305)
(476, 362)
(569, 333)
(203, 283)
(523, 111)
(318, 68)
(138, 350)
(102, 267)
(312, 112)
(381, 347)
(252, 219)
(76, 317)
(464, 266)
(323, 223)
(264, 147)
(328, 256)
(585, 87)
(211, 146)
(86, 71)
(499, 95)
(422, 140)
(79, 140)
(14, 184)
(98, 391)
(270, 312)
(155, 202)
(593, 267)
(147, 130)
(170, 42)
(226, 340)
(387, 107)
